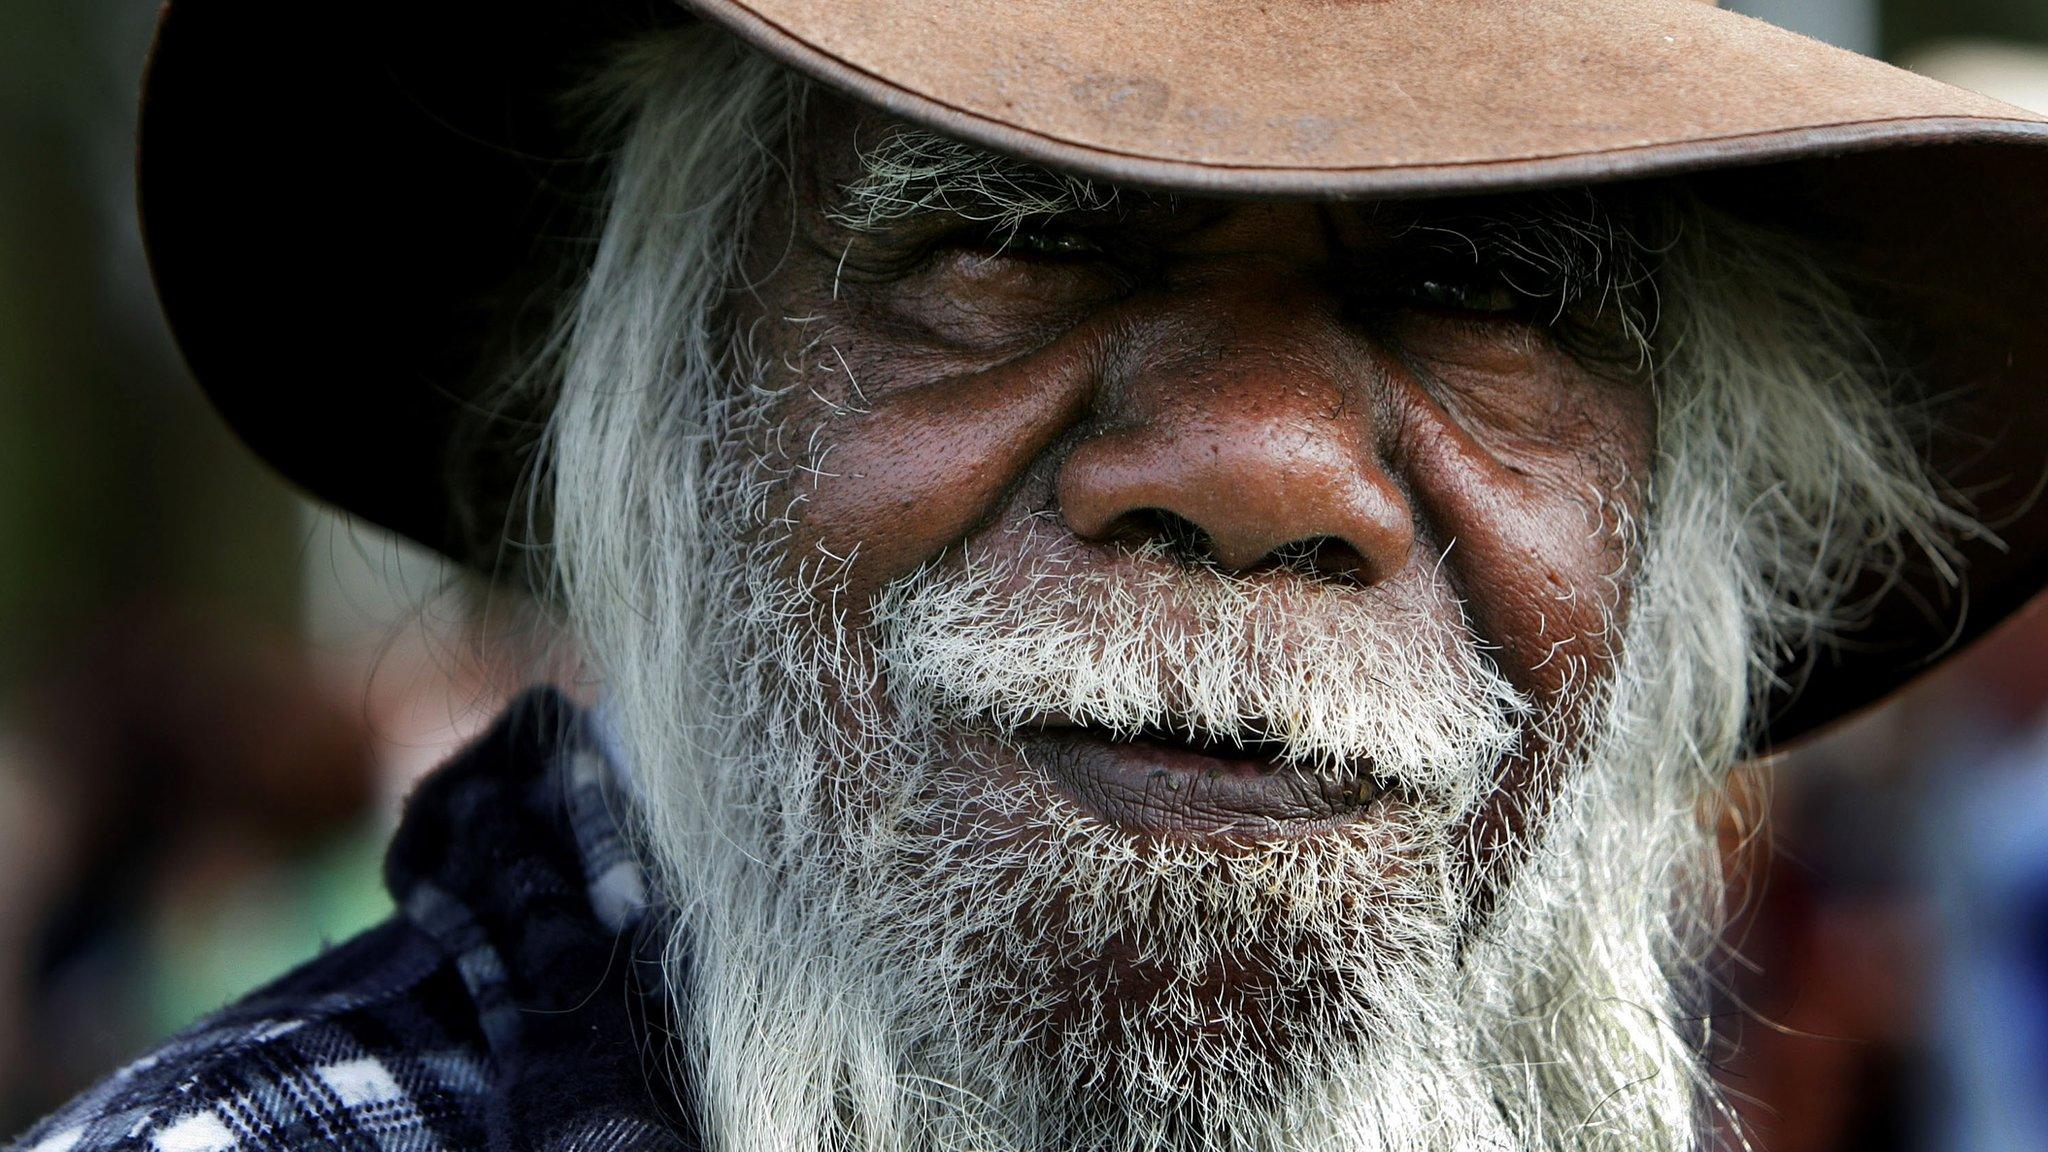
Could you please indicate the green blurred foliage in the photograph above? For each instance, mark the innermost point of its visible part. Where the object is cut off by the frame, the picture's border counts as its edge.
(117, 485)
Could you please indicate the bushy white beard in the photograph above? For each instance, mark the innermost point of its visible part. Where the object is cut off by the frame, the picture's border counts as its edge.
(860, 967)
(856, 968)
(869, 969)
(945, 924)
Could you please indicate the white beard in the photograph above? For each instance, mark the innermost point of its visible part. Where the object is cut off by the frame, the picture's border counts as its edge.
(865, 970)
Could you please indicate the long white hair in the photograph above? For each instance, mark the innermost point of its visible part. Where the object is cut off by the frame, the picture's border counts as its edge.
(835, 971)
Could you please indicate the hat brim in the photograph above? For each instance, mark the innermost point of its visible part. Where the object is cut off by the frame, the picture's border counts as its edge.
(342, 206)
(1365, 100)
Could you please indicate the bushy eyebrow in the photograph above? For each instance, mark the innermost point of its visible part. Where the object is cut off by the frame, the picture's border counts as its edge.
(911, 172)
(1572, 247)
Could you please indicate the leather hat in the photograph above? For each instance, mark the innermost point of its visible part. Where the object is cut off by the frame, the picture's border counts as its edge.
(344, 204)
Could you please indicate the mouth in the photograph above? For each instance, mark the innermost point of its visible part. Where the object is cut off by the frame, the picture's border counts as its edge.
(1180, 784)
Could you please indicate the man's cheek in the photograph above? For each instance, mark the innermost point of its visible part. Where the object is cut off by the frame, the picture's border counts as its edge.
(890, 486)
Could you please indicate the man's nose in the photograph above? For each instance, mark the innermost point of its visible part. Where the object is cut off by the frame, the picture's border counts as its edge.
(1259, 449)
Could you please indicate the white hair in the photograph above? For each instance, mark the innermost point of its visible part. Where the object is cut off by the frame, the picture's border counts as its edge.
(847, 978)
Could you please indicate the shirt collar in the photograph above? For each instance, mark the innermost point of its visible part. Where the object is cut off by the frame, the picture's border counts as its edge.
(516, 858)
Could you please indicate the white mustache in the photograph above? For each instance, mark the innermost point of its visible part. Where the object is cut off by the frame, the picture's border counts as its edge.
(1331, 676)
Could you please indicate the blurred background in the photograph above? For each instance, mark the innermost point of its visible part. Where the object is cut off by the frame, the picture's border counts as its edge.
(213, 695)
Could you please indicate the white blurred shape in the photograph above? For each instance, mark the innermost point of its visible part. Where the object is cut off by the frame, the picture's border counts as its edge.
(2014, 73)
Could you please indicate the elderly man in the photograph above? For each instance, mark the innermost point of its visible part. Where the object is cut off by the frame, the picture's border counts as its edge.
(1164, 574)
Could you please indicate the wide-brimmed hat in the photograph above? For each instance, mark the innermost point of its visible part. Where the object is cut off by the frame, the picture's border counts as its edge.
(343, 206)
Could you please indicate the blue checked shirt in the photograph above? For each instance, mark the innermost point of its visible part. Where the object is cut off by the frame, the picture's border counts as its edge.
(508, 1004)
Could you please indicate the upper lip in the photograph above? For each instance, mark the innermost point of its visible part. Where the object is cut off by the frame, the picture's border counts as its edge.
(1245, 744)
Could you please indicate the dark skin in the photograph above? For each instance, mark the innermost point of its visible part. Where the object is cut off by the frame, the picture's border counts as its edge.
(1288, 391)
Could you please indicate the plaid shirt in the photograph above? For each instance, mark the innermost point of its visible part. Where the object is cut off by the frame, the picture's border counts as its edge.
(507, 1005)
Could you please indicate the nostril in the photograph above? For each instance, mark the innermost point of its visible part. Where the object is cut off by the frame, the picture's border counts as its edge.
(1175, 535)
(1325, 557)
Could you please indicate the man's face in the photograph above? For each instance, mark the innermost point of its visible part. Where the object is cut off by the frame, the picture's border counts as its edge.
(1123, 671)
(1402, 414)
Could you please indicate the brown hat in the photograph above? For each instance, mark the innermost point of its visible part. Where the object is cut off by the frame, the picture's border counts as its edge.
(341, 201)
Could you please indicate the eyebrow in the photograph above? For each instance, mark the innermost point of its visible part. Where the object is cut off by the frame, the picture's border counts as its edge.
(911, 172)
(1576, 235)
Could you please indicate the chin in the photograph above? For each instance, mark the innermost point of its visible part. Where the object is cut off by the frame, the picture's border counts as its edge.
(1058, 935)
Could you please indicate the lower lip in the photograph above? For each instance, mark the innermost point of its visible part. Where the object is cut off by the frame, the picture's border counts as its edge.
(1172, 792)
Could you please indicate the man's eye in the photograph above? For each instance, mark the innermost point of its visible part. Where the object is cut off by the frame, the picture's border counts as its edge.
(1047, 239)
(1481, 292)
